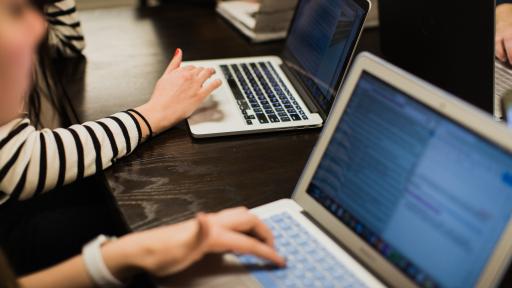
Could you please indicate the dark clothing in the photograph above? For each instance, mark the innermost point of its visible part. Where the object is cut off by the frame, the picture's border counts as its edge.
(498, 2)
(53, 227)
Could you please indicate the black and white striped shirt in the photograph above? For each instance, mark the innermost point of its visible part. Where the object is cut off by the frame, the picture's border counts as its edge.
(64, 28)
(32, 161)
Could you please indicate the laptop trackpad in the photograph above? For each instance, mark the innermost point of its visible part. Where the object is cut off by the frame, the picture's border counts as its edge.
(215, 271)
(208, 111)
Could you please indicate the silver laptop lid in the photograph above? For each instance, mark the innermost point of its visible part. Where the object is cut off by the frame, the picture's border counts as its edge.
(415, 183)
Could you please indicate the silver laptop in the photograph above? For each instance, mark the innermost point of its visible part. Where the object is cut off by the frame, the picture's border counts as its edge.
(295, 91)
(406, 187)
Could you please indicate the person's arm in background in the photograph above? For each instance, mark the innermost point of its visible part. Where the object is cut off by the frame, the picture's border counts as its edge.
(64, 28)
(32, 161)
(503, 40)
(168, 250)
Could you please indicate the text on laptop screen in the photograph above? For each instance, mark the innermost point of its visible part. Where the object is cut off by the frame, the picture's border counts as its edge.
(429, 195)
(319, 44)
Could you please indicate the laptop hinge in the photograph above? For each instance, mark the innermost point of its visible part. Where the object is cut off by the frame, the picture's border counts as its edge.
(305, 95)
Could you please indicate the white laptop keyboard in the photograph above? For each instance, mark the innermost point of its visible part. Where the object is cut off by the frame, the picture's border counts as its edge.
(502, 83)
(261, 94)
(308, 263)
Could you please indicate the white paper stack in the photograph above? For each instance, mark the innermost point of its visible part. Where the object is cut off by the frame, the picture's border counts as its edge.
(266, 20)
(262, 20)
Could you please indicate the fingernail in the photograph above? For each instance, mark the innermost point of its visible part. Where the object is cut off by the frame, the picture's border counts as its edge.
(177, 52)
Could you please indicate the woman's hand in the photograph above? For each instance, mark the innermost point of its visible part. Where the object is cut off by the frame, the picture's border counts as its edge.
(167, 250)
(178, 93)
(503, 40)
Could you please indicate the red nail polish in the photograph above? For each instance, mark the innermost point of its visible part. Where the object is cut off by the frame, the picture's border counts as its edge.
(177, 52)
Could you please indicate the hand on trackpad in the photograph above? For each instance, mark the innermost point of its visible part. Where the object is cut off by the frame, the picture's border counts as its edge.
(208, 102)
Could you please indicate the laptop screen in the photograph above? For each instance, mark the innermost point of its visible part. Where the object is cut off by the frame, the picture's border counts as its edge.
(320, 43)
(429, 195)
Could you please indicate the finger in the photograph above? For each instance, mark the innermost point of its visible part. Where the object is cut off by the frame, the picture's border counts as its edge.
(176, 61)
(254, 226)
(208, 89)
(508, 50)
(198, 72)
(189, 68)
(231, 218)
(242, 220)
(243, 244)
(206, 74)
(500, 50)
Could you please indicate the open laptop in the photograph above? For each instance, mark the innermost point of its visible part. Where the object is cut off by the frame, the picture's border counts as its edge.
(295, 91)
(406, 187)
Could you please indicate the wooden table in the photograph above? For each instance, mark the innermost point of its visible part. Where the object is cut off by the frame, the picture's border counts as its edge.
(174, 176)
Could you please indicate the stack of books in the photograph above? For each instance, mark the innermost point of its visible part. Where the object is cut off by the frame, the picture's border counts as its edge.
(262, 20)
(266, 20)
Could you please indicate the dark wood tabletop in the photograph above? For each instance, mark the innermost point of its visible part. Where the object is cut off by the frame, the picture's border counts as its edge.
(174, 176)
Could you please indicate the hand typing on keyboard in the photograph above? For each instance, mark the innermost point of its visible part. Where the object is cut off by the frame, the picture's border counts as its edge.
(309, 264)
(169, 249)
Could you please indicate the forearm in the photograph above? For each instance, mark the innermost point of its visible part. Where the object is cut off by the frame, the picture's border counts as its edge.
(71, 273)
(32, 162)
(65, 32)
(123, 258)
(121, 262)
(167, 250)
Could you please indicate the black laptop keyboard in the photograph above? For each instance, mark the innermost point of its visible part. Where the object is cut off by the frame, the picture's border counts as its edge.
(261, 94)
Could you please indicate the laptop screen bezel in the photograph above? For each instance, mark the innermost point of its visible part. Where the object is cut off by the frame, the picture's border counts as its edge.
(288, 57)
(441, 102)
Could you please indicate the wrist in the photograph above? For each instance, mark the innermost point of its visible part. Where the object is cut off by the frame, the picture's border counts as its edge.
(162, 251)
(158, 119)
(151, 116)
(122, 260)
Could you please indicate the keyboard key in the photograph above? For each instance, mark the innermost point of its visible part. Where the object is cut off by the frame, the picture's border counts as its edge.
(295, 117)
(307, 259)
(234, 88)
(273, 118)
(249, 122)
(262, 118)
(258, 87)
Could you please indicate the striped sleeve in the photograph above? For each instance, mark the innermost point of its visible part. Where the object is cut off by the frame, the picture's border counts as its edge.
(64, 29)
(34, 161)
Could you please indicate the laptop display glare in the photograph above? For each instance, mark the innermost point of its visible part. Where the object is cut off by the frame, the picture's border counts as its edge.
(429, 195)
(319, 44)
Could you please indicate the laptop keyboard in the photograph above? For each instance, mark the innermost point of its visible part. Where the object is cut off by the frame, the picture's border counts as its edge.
(502, 84)
(308, 263)
(261, 94)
